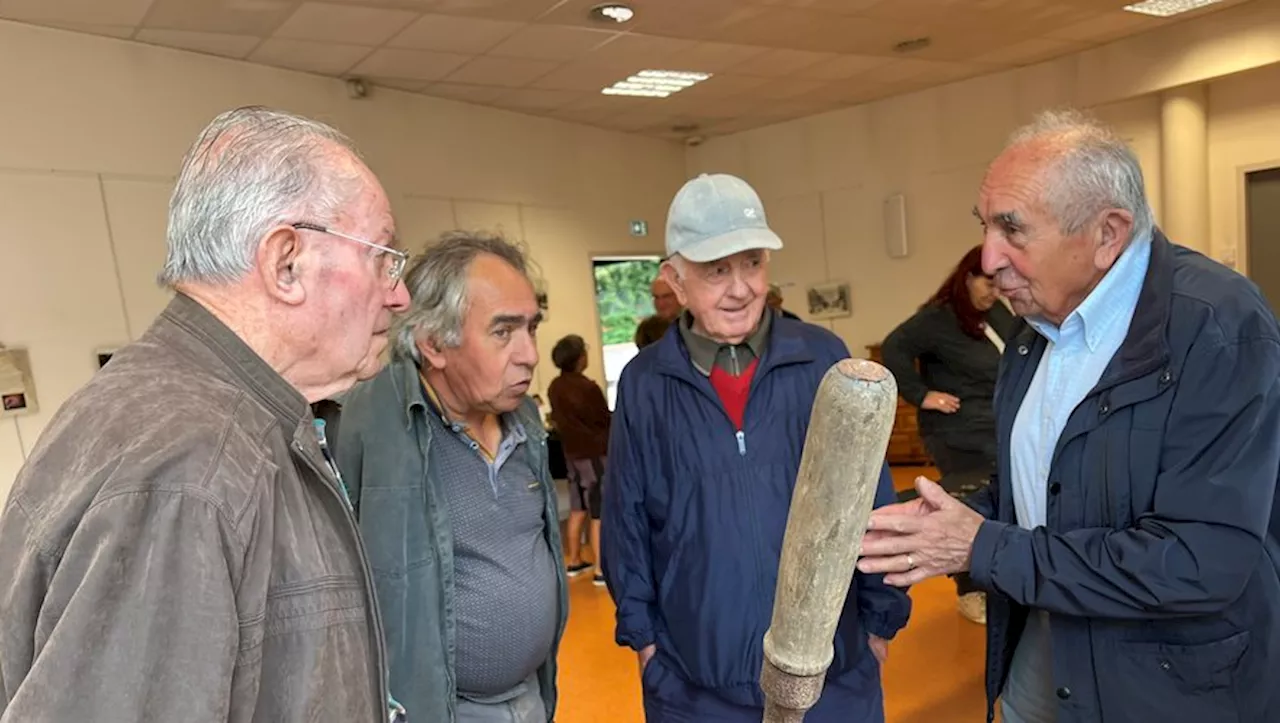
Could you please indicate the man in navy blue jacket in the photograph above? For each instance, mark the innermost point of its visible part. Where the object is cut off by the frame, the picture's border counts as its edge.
(1131, 543)
(706, 442)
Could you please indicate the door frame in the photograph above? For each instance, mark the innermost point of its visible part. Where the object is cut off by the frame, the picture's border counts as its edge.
(598, 334)
(1242, 209)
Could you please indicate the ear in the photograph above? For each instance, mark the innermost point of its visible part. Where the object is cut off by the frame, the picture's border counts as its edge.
(432, 353)
(1113, 236)
(672, 277)
(280, 264)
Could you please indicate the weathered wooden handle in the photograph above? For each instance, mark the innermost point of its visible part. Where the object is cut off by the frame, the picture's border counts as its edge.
(835, 488)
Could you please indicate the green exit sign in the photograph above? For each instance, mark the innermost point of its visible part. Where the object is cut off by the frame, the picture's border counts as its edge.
(639, 228)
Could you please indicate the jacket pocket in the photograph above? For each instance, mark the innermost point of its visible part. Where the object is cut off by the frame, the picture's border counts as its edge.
(1171, 683)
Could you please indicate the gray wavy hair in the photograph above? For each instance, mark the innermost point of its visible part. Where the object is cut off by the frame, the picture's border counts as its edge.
(437, 284)
(1096, 170)
(249, 170)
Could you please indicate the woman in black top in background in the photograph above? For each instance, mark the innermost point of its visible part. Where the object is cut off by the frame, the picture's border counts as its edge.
(956, 339)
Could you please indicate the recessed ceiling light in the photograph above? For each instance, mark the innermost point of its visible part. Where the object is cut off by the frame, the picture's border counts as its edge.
(612, 13)
(1165, 8)
(656, 83)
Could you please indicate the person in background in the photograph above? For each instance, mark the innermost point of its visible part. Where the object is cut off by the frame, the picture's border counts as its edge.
(774, 300)
(177, 546)
(651, 330)
(945, 359)
(446, 459)
(1130, 543)
(708, 430)
(581, 416)
(666, 308)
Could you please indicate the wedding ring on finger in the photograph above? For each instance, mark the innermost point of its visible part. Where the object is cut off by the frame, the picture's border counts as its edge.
(910, 565)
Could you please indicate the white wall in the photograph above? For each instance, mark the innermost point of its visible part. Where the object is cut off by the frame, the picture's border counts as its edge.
(824, 179)
(93, 130)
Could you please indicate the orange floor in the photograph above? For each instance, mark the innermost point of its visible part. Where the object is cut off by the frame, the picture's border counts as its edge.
(934, 673)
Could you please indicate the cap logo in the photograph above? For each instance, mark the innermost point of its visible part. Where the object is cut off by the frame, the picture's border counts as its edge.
(749, 212)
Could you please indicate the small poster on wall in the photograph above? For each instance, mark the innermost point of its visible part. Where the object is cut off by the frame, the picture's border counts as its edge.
(17, 392)
(830, 301)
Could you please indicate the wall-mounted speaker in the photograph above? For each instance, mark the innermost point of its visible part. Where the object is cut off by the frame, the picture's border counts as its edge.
(895, 226)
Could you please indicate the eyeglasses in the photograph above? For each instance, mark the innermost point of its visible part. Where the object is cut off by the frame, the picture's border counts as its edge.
(398, 257)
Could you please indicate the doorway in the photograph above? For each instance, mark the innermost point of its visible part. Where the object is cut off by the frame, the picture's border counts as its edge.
(623, 300)
(1262, 232)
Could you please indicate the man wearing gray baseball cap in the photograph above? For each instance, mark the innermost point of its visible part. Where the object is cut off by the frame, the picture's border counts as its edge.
(707, 435)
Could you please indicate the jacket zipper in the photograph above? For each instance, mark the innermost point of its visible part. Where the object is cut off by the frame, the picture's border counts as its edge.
(380, 653)
(741, 435)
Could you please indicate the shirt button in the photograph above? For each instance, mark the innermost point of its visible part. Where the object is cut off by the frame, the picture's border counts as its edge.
(1064, 692)
(1022, 349)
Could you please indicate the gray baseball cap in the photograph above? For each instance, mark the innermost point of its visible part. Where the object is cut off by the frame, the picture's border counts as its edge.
(714, 216)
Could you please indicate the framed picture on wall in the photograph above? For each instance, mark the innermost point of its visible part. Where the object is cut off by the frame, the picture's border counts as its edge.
(17, 391)
(830, 300)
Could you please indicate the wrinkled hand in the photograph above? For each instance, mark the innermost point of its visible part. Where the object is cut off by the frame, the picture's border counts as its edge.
(929, 536)
(644, 655)
(941, 402)
(879, 648)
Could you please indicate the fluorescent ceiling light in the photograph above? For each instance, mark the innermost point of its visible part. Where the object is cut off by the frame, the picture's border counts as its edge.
(1166, 8)
(656, 83)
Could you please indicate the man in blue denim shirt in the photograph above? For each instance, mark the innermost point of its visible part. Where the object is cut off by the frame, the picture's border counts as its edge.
(446, 460)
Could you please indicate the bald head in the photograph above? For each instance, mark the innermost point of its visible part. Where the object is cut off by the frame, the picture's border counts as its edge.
(665, 303)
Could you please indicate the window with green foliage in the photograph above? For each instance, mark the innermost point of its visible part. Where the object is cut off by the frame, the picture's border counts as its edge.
(623, 297)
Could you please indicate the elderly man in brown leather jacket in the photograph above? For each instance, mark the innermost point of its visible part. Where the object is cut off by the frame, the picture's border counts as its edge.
(178, 546)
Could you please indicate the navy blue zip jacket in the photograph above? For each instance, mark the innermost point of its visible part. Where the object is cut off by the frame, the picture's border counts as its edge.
(694, 517)
(1160, 560)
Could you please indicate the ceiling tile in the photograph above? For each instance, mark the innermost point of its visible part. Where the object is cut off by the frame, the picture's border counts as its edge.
(551, 42)
(538, 100)
(643, 51)
(777, 63)
(724, 85)
(94, 12)
(406, 84)
(219, 16)
(1027, 52)
(450, 34)
(713, 57)
(410, 64)
(467, 93)
(1105, 27)
(801, 29)
(416, 5)
(518, 10)
(324, 22)
(582, 75)
(700, 20)
(324, 58)
(783, 88)
(842, 66)
(503, 72)
(229, 46)
(123, 32)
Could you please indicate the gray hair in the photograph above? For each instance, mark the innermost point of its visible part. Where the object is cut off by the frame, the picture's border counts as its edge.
(437, 284)
(1095, 170)
(249, 170)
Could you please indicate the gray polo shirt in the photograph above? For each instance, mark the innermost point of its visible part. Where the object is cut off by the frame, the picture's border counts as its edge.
(706, 353)
(505, 575)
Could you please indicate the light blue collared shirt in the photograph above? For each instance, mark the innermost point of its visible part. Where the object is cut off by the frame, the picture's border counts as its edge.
(1077, 354)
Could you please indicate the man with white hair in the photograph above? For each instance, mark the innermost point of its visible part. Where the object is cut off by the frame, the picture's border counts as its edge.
(446, 458)
(178, 545)
(1130, 543)
(706, 441)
